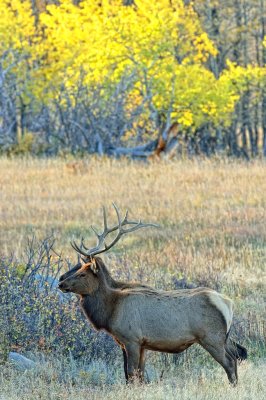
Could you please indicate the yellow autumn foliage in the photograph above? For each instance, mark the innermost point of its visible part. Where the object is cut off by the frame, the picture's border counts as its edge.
(161, 44)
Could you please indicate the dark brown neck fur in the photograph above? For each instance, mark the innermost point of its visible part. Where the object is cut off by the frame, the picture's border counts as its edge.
(99, 306)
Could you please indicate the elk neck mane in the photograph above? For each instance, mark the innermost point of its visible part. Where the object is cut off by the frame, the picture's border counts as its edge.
(111, 282)
(100, 306)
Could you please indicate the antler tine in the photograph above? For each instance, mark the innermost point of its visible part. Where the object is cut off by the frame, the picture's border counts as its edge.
(118, 215)
(105, 226)
(125, 221)
(73, 244)
(96, 233)
(83, 245)
(77, 248)
(139, 225)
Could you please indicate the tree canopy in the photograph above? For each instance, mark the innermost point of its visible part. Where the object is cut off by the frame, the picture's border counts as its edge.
(155, 57)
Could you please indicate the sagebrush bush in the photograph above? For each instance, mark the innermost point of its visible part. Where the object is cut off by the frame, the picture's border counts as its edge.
(35, 315)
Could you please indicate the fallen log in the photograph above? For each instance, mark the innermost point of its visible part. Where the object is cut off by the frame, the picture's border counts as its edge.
(166, 144)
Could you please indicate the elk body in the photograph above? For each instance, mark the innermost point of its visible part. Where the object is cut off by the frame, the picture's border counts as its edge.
(141, 318)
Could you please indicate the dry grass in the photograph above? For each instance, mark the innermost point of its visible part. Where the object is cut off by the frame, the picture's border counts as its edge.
(184, 384)
(212, 214)
(213, 231)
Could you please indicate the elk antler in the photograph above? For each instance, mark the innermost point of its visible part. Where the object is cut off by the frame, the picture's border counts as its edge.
(102, 236)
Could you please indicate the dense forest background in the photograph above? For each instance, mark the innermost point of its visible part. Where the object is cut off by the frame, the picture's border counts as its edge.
(133, 77)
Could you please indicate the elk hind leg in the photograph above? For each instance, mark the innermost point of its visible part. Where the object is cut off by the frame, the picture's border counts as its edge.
(218, 351)
(231, 354)
(125, 364)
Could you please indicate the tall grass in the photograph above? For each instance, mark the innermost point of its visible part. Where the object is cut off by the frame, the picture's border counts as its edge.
(180, 384)
(212, 216)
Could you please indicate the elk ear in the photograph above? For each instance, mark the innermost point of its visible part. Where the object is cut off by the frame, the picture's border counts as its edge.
(94, 267)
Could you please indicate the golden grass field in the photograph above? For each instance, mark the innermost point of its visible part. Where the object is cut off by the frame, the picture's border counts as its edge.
(212, 216)
(186, 385)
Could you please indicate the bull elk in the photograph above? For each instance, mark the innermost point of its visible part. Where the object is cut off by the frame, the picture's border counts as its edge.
(141, 318)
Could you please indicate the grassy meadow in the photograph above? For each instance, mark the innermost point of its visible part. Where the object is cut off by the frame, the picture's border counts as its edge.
(212, 217)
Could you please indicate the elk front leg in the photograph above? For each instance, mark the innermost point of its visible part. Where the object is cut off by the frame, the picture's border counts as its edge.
(133, 362)
(142, 364)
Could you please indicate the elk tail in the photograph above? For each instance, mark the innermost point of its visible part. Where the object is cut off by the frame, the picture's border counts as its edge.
(238, 351)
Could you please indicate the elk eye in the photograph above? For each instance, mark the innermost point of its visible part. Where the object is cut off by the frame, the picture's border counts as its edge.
(82, 275)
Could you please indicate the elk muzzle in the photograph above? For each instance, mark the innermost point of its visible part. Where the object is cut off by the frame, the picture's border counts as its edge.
(64, 287)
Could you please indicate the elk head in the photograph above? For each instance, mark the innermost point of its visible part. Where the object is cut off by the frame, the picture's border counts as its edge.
(84, 278)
